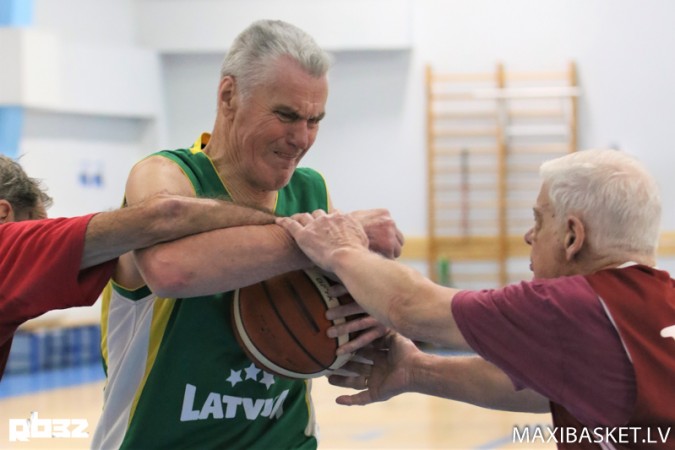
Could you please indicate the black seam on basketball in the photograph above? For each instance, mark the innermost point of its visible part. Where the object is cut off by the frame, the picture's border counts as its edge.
(289, 331)
(303, 308)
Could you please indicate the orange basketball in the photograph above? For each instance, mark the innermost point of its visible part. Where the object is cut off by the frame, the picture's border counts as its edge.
(281, 325)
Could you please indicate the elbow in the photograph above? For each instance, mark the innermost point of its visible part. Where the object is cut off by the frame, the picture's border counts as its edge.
(171, 285)
(168, 289)
(164, 277)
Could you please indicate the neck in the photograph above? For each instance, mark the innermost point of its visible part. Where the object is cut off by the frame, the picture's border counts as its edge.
(241, 190)
(243, 194)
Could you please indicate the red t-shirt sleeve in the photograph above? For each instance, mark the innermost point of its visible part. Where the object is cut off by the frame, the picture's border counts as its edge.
(552, 336)
(40, 268)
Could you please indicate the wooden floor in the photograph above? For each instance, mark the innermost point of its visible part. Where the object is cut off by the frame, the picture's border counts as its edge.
(410, 421)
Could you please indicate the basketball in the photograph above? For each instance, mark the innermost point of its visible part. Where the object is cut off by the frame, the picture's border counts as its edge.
(281, 325)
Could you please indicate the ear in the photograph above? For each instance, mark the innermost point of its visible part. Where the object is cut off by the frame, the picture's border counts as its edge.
(575, 237)
(227, 95)
(6, 211)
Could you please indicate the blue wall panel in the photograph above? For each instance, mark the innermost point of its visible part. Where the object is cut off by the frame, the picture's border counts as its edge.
(13, 13)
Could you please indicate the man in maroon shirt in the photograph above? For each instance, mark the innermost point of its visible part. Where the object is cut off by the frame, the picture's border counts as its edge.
(590, 339)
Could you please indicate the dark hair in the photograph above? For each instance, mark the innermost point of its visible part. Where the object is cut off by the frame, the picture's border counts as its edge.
(21, 191)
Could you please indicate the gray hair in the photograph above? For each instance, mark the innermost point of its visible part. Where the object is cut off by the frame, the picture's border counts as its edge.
(613, 194)
(256, 48)
(21, 191)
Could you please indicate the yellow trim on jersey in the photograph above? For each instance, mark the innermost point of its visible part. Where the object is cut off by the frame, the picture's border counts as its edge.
(105, 309)
(202, 140)
(161, 313)
(329, 202)
(310, 429)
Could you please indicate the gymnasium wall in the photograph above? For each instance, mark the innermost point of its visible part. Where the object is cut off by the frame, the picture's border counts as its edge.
(110, 81)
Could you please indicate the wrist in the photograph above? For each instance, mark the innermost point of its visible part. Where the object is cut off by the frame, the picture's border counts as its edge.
(342, 258)
(423, 371)
(297, 260)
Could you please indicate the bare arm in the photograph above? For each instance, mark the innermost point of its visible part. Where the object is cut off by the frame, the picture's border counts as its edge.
(158, 219)
(399, 297)
(402, 367)
(410, 303)
(394, 294)
(215, 261)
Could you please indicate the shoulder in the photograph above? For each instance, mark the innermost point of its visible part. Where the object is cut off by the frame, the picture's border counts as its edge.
(630, 274)
(162, 160)
(157, 173)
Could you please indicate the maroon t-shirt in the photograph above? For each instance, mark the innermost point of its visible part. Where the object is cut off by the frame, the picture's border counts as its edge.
(40, 271)
(641, 302)
(554, 337)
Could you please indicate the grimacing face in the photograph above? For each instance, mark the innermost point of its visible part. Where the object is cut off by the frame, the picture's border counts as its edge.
(277, 124)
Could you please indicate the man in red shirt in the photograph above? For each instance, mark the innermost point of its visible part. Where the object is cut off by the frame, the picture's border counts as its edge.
(48, 264)
(591, 338)
(51, 264)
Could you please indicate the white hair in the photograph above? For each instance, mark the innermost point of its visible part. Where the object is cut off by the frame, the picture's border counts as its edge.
(260, 45)
(612, 193)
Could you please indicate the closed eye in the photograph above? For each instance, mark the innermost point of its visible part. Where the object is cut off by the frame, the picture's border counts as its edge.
(287, 116)
(290, 116)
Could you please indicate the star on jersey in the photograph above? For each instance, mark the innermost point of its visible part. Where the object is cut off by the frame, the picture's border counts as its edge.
(267, 379)
(235, 377)
(252, 372)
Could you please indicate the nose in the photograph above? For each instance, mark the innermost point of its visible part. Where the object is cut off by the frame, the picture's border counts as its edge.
(300, 135)
(528, 236)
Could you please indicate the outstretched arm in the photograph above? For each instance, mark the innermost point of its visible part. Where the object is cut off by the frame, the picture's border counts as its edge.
(401, 367)
(215, 261)
(391, 292)
(244, 253)
(158, 219)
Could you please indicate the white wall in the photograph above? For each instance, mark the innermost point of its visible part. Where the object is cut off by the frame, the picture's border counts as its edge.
(91, 21)
(92, 99)
(197, 26)
(372, 143)
(83, 160)
(370, 148)
(620, 48)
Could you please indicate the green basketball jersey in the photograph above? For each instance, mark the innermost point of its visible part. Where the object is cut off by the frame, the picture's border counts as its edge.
(177, 377)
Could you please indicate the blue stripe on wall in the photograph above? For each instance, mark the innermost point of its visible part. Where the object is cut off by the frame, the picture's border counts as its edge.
(30, 383)
(13, 13)
(11, 124)
(16, 13)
